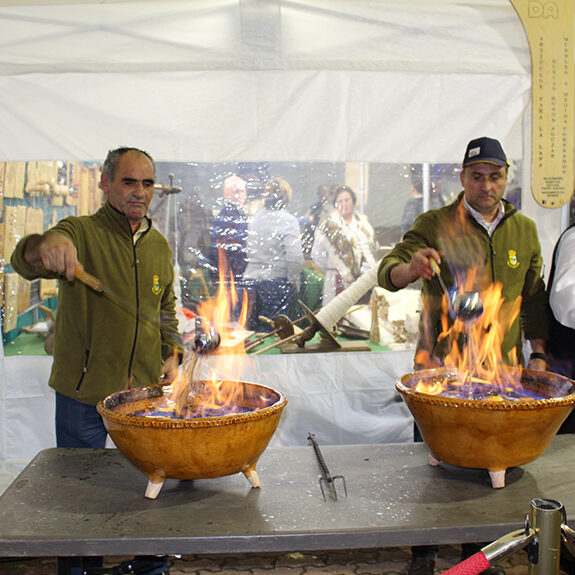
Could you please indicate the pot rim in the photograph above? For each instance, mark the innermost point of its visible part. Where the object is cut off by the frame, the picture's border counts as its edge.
(185, 423)
(504, 405)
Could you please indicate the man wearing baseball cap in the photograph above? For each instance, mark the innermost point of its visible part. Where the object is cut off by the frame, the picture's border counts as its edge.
(478, 240)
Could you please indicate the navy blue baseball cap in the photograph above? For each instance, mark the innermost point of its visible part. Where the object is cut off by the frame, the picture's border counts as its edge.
(485, 150)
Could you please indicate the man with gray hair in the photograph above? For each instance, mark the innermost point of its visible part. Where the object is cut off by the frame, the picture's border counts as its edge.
(229, 234)
(102, 347)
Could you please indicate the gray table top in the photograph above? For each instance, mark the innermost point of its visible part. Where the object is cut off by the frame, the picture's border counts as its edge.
(72, 502)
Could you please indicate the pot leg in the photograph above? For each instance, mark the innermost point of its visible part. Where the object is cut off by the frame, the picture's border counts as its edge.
(154, 488)
(432, 461)
(497, 478)
(252, 475)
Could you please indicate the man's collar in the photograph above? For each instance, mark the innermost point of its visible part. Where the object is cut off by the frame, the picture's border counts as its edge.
(144, 227)
(479, 216)
(145, 222)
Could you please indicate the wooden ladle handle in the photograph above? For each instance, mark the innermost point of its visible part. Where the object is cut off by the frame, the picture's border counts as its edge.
(89, 280)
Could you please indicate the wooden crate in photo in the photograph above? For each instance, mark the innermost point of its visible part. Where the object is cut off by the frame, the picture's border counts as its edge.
(89, 193)
(14, 178)
(14, 228)
(3, 260)
(10, 302)
(34, 221)
(23, 294)
(48, 289)
(42, 173)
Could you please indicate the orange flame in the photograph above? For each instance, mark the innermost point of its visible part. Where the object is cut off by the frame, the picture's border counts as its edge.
(219, 310)
(475, 349)
(218, 392)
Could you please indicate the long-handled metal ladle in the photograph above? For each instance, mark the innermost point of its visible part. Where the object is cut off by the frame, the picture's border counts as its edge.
(468, 308)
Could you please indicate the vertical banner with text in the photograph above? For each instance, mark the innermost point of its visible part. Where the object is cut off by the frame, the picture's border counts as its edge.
(550, 28)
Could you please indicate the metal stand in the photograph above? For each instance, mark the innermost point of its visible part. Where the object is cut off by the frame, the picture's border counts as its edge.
(327, 340)
(546, 517)
(544, 530)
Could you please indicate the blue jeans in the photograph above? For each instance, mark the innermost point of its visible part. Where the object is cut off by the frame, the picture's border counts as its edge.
(78, 424)
(269, 298)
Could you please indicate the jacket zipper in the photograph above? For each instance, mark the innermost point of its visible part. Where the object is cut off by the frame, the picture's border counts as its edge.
(492, 259)
(133, 352)
(492, 252)
(84, 369)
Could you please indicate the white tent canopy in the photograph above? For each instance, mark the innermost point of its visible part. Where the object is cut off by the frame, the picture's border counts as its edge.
(248, 80)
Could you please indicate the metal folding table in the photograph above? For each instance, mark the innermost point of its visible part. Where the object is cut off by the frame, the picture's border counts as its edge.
(82, 502)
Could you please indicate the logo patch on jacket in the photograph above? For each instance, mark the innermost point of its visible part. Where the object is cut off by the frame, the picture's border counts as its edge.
(512, 260)
(156, 289)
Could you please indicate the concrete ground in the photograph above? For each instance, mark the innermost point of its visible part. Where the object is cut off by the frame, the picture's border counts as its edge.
(391, 561)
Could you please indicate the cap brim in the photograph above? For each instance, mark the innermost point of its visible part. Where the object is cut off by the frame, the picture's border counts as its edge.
(494, 161)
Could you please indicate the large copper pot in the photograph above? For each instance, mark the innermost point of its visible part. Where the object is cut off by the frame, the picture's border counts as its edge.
(193, 448)
(484, 434)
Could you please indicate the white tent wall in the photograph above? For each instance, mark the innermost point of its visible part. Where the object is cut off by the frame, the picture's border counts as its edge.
(255, 80)
(247, 80)
(259, 116)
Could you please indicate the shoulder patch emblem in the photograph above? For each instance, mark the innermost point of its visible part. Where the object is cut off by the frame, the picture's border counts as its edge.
(156, 289)
(512, 260)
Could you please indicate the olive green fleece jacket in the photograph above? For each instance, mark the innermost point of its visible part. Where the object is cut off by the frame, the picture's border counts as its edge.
(104, 340)
(511, 256)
